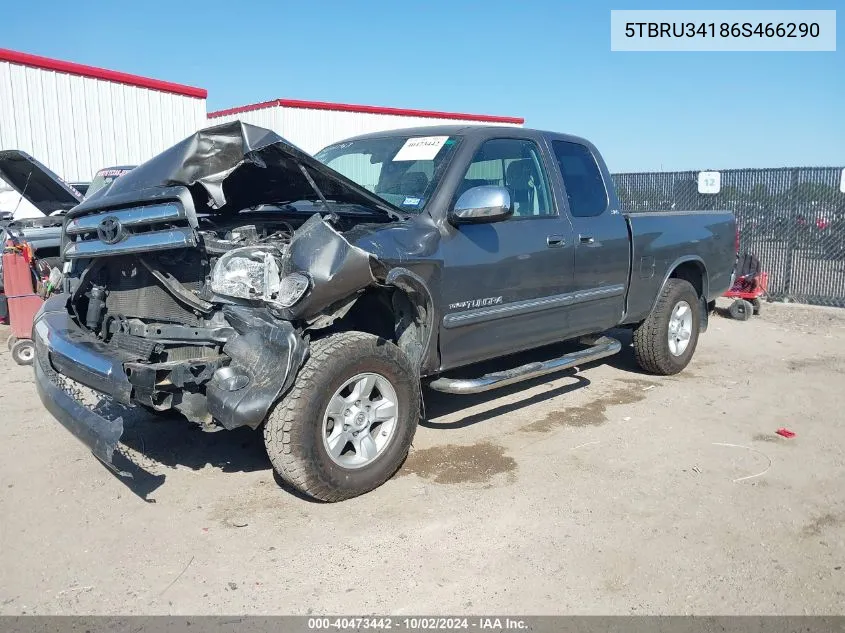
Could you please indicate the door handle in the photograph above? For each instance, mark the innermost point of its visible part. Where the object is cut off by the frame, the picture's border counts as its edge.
(586, 239)
(555, 241)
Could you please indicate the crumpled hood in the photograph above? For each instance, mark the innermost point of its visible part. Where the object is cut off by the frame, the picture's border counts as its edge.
(37, 184)
(239, 166)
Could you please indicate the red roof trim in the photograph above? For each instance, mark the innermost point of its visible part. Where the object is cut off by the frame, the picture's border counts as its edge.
(348, 107)
(93, 72)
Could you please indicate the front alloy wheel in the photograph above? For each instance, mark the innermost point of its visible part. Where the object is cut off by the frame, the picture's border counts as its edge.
(360, 420)
(347, 423)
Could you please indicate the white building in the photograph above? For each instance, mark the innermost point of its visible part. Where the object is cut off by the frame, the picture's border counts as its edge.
(77, 119)
(312, 125)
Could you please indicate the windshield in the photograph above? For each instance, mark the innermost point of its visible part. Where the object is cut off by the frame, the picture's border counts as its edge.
(402, 170)
(105, 177)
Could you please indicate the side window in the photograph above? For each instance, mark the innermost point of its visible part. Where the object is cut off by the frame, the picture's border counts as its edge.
(582, 179)
(517, 166)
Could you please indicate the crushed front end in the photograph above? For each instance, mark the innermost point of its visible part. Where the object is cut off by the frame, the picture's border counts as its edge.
(203, 313)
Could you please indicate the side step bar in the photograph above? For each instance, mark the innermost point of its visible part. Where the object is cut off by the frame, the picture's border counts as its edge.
(600, 348)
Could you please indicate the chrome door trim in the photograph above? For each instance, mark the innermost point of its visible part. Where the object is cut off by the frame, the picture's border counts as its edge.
(481, 315)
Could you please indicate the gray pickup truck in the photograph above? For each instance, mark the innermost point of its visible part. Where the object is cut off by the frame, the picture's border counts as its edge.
(242, 282)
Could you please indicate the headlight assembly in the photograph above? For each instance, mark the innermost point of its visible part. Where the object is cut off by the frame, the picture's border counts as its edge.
(253, 272)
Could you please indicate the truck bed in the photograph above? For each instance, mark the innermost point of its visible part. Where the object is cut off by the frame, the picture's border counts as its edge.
(661, 240)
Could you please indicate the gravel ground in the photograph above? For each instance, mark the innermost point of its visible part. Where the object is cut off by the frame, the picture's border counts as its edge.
(608, 491)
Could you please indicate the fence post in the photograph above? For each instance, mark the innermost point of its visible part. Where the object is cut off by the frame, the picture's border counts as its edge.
(792, 233)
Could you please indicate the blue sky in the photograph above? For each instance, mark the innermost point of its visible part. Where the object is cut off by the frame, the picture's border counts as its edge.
(548, 61)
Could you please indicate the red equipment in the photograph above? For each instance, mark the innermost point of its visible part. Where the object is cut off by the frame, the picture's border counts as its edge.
(749, 287)
(20, 282)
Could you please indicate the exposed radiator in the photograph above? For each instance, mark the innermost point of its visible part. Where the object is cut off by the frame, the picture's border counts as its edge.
(133, 292)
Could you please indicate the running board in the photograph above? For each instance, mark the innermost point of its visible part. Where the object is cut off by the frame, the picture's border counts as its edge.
(600, 348)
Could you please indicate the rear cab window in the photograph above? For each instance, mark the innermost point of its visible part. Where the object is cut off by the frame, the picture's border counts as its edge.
(582, 179)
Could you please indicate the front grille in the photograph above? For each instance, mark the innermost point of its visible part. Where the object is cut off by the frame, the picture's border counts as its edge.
(133, 292)
(144, 229)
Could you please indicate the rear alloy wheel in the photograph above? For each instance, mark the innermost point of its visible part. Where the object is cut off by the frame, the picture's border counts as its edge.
(346, 425)
(665, 342)
(23, 351)
(680, 328)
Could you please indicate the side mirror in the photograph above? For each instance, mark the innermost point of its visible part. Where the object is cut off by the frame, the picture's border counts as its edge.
(486, 203)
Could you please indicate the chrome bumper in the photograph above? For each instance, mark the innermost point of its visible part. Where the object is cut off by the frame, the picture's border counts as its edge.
(62, 349)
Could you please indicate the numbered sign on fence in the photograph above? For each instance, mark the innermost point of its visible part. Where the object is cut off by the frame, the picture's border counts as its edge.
(709, 182)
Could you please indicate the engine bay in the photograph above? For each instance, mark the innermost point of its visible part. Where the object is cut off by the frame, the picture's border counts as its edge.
(163, 306)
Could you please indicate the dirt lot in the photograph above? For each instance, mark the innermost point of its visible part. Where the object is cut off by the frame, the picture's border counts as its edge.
(606, 492)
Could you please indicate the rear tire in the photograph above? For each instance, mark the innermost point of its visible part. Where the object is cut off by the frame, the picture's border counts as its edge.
(741, 310)
(659, 349)
(10, 342)
(757, 304)
(301, 426)
(23, 351)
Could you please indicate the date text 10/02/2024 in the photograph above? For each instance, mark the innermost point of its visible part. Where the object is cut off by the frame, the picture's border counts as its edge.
(418, 623)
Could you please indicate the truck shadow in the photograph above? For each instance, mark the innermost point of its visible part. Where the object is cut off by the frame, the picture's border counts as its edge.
(624, 360)
(159, 443)
(440, 404)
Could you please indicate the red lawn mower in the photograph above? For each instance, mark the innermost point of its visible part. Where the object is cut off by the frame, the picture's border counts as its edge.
(750, 286)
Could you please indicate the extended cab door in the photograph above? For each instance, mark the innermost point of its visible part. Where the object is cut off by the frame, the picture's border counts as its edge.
(505, 283)
(602, 243)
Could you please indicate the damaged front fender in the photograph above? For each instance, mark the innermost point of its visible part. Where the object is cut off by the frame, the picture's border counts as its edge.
(266, 355)
(337, 268)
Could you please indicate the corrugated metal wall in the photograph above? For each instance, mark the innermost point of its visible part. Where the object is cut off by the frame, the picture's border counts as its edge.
(76, 125)
(314, 129)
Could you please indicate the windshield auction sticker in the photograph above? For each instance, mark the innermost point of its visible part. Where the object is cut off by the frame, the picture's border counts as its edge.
(421, 148)
(726, 30)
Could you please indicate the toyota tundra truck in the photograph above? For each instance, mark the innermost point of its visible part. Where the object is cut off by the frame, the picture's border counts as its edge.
(239, 281)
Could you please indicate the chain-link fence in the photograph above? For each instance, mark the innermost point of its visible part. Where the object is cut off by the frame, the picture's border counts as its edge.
(793, 219)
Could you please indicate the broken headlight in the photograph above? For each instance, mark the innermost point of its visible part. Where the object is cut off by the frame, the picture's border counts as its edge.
(253, 272)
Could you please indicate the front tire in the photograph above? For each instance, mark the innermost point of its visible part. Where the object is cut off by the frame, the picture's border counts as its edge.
(347, 423)
(665, 342)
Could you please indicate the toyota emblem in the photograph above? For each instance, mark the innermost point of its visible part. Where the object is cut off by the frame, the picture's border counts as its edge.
(110, 230)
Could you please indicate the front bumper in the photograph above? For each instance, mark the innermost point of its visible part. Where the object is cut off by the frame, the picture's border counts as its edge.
(60, 346)
(266, 351)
